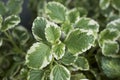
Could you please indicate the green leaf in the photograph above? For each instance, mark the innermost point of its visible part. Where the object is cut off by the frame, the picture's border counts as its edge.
(2, 8)
(59, 72)
(1, 20)
(83, 12)
(58, 50)
(73, 14)
(111, 67)
(68, 59)
(38, 56)
(38, 28)
(116, 4)
(81, 63)
(78, 42)
(108, 35)
(52, 33)
(115, 24)
(87, 24)
(10, 22)
(110, 49)
(79, 76)
(66, 27)
(1, 42)
(36, 75)
(14, 6)
(56, 12)
(21, 34)
(104, 4)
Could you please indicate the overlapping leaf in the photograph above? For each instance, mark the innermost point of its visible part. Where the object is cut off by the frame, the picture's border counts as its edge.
(68, 58)
(79, 42)
(60, 72)
(116, 4)
(10, 22)
(108, 37)
(111, 67)
(14, 6)
(36, 75)
(38, 56)
(52, 33)
(73, 15)
(114, 25)
(21, 34)
(38, 28)
(58, 50)
(81, 63)
(104, 4)
(110, 48)
(56, 12)
(87, 24)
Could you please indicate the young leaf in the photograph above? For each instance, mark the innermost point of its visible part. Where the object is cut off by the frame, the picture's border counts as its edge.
(38, 56)
(110, 48)
(68, 59)
(104, 4)
(58, 50)
(87, 24)
(78, 42)
(115, 24)
(81, 63)
(14, 6)
(10, 22)
(38, 28)
(73, 15)
(66, 27)
(2, 8)
(52, 33)
(108, 34)
(36, 75)
(56, 12)
(21, 34)
(111, 67)
(59, 72)
(116, 4)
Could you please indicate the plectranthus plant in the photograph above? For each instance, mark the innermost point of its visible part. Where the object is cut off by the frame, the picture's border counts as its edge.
(63, 37)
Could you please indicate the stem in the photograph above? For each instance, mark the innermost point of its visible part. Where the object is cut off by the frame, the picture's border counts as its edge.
(13, 43)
